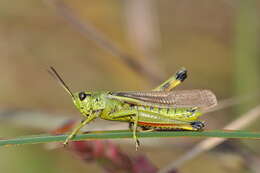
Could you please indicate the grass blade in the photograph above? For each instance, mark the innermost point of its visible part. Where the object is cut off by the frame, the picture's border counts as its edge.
(119, 134)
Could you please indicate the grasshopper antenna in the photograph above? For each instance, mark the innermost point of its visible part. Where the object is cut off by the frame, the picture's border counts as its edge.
(55, 74)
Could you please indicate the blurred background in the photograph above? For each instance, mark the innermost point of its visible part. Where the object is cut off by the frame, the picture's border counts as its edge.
(125, 45)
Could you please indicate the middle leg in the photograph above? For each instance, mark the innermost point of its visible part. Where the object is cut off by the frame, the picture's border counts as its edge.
(130, 115)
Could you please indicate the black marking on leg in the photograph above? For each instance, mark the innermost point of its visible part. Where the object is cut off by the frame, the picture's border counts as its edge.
(181, 75)
(198, 125)
(138, 142)
(131, 124)
(139, 128)
(192, 110)
(143, 128)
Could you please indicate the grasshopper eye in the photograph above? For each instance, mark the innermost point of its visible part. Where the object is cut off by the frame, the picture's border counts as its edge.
(83, 95)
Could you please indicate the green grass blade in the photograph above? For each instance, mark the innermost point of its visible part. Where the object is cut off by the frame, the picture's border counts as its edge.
(117, 134)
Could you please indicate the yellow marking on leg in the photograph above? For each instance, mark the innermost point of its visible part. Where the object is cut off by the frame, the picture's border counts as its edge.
(186, 127)
(173, 81)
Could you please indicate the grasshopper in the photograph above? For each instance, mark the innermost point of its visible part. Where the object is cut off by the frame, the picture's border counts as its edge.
(159, 109)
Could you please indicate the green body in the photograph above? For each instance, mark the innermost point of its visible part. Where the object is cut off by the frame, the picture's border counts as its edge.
(160, 109)
(115, 110)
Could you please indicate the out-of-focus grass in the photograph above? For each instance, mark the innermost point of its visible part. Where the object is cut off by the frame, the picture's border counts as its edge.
(247, 56)
(247, 51)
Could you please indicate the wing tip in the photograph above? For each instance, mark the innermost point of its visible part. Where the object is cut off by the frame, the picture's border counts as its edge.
(211, 98)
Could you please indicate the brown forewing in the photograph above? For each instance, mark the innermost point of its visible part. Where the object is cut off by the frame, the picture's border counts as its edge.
(177, 98)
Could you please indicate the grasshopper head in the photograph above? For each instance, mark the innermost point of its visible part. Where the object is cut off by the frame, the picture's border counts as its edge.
(88, 102)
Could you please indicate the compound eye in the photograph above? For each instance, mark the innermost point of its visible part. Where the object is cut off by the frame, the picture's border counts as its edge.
(82, 96)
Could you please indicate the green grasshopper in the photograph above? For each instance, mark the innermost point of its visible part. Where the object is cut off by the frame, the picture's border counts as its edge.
(159, 109)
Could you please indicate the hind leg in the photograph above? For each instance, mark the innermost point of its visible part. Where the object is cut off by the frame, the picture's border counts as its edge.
(173, 81)
(178, 126)
(185, 126)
